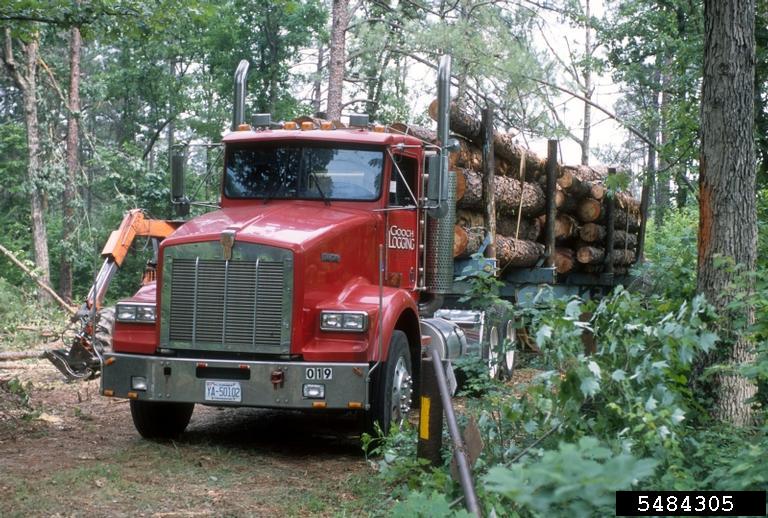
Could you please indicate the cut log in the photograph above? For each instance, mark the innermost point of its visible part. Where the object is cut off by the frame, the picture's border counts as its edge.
(475, 238)
(460, 239)
(464, 122)
(586, 173)
(530, 229)
(507, 192)
(588, 210)
(19, 355)
(627, 203)
(565, 227)
(517, 253)
(505, 148)
(468, 218)
(595, 255)
(597, 190)
(627, 221)
(564, 260)
(420, 132)
(461, 185)
(599, 268)
(592, 233)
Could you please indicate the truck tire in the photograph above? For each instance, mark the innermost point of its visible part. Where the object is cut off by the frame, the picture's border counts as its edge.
(160, 420)
(105, 323)
(394, 388)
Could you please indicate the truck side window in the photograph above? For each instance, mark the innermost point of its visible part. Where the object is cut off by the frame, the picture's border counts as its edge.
(398, 192)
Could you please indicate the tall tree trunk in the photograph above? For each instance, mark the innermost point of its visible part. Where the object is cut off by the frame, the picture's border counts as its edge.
(26, 81)
(653, 133)
(727, 220)
(73, 164)
(317, 87)
(588, 89)
(662, 178)
(337, 59)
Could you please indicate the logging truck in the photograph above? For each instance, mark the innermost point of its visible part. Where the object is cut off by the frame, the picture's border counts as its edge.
(315, 285)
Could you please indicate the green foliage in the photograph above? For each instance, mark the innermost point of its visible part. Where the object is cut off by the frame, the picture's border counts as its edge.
(423, 505)
(670, 269)
(577, 479)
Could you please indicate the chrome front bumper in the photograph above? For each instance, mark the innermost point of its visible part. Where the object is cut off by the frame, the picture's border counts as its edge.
(184, 380)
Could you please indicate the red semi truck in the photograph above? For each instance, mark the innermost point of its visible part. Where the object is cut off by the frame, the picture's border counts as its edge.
(325, 270)
(302, 291)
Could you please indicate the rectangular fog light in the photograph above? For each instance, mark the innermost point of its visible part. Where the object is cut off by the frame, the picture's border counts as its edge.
(314, 391)
(138, 383)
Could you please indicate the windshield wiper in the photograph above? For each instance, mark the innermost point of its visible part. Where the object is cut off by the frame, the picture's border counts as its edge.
(317, 184)
(272, 192)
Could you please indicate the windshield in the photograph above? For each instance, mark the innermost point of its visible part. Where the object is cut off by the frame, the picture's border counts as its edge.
(302, 171)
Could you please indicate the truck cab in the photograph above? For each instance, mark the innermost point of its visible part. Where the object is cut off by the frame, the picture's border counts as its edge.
(301, 291)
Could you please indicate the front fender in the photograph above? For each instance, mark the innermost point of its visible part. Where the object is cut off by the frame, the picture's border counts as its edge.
(360, 295)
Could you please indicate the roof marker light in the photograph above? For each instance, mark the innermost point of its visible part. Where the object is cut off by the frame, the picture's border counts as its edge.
(290, 125)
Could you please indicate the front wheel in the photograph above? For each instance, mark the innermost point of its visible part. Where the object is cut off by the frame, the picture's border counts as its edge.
(394, 393)
(160, 420)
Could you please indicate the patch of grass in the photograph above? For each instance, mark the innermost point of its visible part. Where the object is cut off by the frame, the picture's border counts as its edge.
(148, 477)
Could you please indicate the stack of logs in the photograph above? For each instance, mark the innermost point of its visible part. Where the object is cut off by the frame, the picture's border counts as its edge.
(519, 194)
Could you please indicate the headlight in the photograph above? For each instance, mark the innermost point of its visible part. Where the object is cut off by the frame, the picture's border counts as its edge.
(354, 321)
(141, 313)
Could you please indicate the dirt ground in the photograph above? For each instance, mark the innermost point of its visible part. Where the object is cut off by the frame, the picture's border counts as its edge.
(76, 453)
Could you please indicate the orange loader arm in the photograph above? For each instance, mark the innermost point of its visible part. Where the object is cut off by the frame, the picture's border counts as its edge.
(83, 360)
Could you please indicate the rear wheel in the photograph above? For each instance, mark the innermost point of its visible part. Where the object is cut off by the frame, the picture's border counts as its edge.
(394, 391)
(160, 420)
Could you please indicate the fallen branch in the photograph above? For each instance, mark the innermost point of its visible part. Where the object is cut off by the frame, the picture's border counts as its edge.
(20, 355)
(61, 302)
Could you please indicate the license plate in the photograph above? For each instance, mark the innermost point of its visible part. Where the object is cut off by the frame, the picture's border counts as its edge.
(318, 373)
(223, 391)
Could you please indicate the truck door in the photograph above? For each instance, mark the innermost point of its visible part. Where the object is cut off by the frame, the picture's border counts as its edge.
(402, 239)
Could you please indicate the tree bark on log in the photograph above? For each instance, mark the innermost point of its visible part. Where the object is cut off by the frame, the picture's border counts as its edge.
(466, 124)
(507, 193)
(595, 255)
(626, 221)
(530, 229)
(586, 173)
(19, 355)
(420, 132)
(594, 233)
(517, 252)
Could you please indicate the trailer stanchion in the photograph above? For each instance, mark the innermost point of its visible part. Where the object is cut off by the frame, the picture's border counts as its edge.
(609, 224)
(430, 416)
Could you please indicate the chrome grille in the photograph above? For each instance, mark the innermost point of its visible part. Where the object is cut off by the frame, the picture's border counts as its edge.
(229, 305)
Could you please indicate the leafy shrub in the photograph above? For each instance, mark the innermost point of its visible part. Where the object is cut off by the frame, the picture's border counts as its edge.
(576, 479)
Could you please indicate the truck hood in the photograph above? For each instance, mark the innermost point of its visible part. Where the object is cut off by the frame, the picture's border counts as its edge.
(295, 224)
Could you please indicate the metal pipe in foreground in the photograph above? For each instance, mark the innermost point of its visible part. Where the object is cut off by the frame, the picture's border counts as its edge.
(465, 475)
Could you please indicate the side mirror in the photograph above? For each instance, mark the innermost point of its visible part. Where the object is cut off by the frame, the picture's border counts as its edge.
(453, 145)
(178, 198)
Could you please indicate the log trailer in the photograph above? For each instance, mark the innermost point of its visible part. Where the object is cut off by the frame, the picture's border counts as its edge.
(326, 269)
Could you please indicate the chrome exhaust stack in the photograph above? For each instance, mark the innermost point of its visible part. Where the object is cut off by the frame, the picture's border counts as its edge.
(241, 77)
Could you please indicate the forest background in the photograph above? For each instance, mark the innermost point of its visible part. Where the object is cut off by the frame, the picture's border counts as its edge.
(95, 93)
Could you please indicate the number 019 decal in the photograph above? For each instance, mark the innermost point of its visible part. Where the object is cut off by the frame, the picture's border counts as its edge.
(318, 373)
